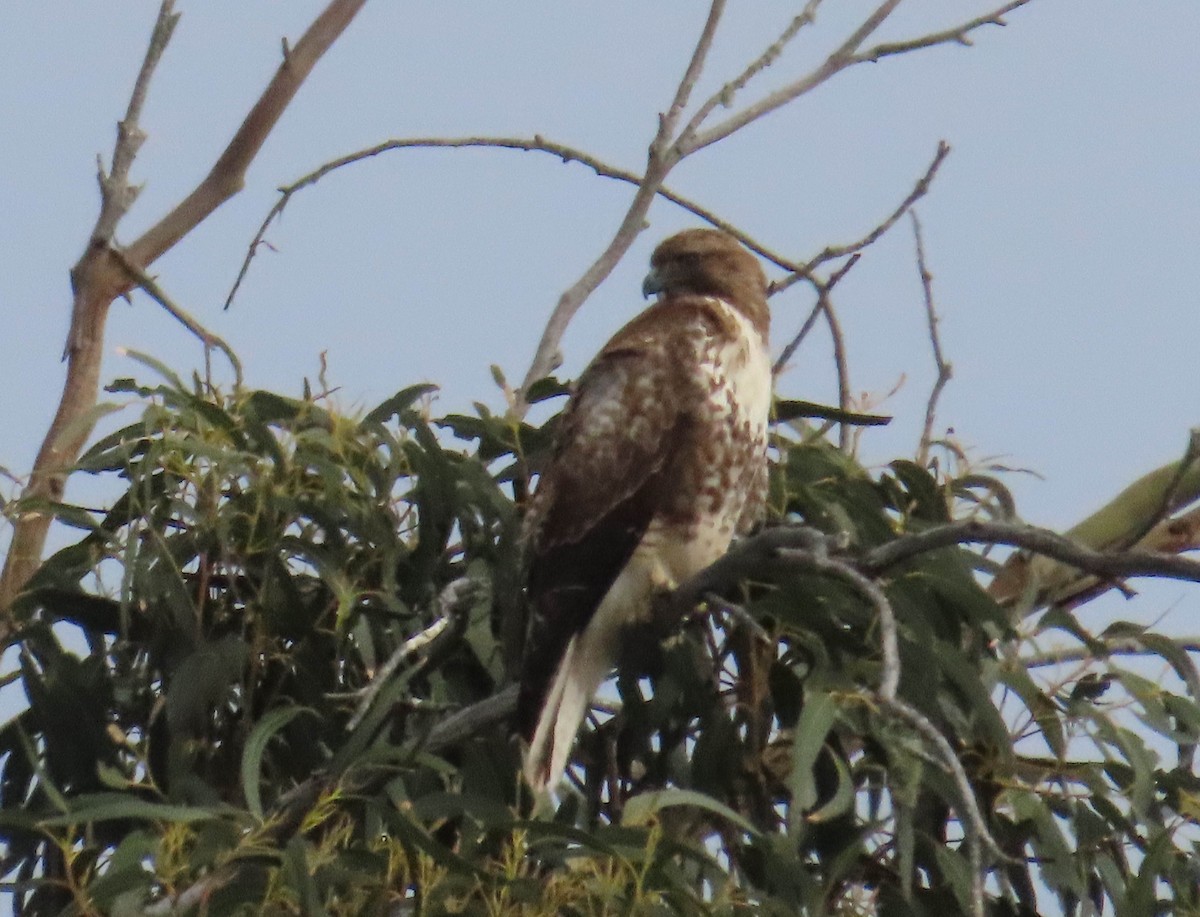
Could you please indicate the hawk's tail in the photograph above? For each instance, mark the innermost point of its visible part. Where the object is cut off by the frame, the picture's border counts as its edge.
(583, 667)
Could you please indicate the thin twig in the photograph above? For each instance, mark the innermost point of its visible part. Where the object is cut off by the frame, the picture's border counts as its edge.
(694, 68)
(535, 144)
(944, 369)
(159, 295)
(959, 34)
(815, 313)
(841, 58)
(830, 253)
(841, 362)
(116, 194)
(727, 92)
(451, 602)
(845, 56)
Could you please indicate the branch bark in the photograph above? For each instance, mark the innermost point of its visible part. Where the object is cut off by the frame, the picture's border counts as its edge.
(99, 277)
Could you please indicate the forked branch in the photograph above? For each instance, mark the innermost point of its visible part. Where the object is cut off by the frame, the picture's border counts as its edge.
(99, 276)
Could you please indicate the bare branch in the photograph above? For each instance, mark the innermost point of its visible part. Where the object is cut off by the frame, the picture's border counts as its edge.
(763, 61)
(228, 173)
(535, 144)
(84, 346)
(944, 369)
(809, 322)
(1113, 646)
(691, 75)
(920, 189)
(98, 278)
(156, 292)
(116, 194)
(846, 55)
(959, 34)
(1118, 564)
(840, 360)
(840, 59)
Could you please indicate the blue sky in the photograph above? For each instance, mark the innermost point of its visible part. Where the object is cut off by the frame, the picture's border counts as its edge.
(1062, 231)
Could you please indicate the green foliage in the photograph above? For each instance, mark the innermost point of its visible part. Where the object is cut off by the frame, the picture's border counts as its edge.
(283, 605)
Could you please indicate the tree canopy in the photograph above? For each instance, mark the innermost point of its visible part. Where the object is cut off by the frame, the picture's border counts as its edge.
(274, 673)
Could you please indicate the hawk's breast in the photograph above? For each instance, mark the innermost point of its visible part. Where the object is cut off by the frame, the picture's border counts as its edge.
(724, 472)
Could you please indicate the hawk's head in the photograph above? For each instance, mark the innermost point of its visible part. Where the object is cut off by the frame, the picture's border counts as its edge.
(707, 262)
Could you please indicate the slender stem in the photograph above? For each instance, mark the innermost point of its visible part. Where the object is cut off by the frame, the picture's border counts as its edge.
(159, 295)
(535, 144)
(944, 369)
(841, 58)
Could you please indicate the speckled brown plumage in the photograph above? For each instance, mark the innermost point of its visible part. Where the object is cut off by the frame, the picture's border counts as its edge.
(661, 457)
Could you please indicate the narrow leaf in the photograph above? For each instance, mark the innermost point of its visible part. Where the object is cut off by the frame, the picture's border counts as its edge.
(256, 745)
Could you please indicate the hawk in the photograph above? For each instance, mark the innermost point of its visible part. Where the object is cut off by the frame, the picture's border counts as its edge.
(660, 459)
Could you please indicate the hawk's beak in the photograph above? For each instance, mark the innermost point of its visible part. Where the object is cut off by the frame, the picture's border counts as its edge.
(652, 284)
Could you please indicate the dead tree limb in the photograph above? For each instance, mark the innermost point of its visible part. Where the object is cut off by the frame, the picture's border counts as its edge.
(99, 277)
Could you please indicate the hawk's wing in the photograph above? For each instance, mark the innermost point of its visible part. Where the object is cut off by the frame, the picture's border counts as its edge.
(629, 420)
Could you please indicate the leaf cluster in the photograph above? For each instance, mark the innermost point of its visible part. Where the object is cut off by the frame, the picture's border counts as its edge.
(236, 676)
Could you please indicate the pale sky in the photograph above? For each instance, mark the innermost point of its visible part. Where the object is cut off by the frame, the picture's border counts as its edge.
(1063, 230)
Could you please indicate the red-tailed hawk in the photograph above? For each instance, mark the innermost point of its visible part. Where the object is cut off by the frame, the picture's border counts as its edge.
(660, 458)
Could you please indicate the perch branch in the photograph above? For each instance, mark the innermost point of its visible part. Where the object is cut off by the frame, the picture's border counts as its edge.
(819, 561)
(1113, 646)
(944, 369)
(974, 824)
(472, 720)
(1114, 565)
